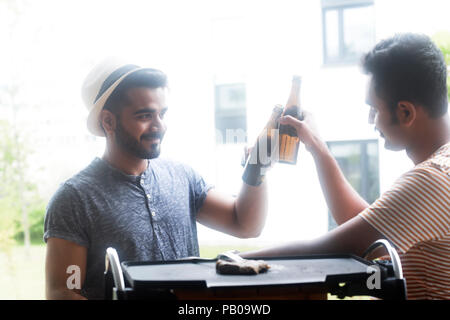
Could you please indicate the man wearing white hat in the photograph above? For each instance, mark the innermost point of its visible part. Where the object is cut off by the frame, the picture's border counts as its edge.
(130, 199)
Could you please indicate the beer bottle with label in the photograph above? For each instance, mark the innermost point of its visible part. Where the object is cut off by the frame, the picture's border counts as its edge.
(289, 140)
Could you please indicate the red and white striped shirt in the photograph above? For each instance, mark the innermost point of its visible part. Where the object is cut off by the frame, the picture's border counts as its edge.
(415, 216)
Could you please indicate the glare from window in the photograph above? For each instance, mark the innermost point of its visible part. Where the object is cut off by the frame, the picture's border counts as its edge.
(332, 34)
(359, 31)
(228, 63)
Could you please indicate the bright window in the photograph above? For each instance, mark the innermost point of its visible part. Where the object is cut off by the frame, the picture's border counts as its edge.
(231, 115)
(348, 29)
(358, 161)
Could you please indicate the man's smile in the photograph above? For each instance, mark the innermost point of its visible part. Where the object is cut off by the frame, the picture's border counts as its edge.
(152, 140)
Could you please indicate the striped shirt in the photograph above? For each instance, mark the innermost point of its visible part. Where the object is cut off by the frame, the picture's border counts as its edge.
(415, 216)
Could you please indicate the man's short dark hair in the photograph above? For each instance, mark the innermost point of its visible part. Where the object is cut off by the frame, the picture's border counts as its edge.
(409, 67)
(146, 78)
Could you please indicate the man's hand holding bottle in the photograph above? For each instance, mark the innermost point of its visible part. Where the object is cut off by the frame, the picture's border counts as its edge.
(306, 131)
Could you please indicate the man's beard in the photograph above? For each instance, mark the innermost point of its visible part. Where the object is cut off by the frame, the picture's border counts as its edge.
(129, 144)
(389, 144)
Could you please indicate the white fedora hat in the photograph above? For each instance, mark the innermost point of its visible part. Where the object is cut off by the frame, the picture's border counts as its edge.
(98, 86)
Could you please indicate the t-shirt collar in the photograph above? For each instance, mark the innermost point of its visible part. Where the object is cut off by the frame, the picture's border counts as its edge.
(123, 175)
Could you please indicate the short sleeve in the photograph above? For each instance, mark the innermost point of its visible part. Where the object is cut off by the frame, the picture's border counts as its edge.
(414, 210)
(65, 218)
(199, 187)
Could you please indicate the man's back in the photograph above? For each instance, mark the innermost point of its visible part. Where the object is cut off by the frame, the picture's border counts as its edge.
(415, 215)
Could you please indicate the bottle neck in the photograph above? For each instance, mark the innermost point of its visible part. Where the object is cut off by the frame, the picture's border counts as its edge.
(294, 96)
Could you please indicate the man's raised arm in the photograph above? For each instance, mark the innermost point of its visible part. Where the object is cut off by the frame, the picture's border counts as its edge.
(342, 200)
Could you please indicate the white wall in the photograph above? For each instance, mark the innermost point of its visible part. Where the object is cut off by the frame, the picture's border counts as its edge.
(200, 44)
(287, 39)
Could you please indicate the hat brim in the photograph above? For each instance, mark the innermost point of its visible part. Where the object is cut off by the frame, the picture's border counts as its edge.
(93, 120)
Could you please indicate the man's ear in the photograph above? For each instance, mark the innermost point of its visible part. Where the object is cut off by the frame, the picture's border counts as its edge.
(108, 121)
(406, 113)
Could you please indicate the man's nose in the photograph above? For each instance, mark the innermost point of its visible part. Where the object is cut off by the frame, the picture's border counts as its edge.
(157, 124)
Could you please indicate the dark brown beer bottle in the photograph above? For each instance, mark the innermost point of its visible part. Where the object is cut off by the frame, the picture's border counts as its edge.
(289, 140)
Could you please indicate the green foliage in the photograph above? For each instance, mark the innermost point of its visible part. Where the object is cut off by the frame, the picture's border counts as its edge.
(442, 40)
(36, 216)
(17, 194)
(9, 210)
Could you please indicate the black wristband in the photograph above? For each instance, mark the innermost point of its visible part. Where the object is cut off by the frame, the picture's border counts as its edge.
(253, 174)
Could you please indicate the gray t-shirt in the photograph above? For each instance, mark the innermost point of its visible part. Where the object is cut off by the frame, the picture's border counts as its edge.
(147, 217)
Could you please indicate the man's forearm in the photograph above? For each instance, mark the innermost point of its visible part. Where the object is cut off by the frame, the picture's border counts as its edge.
(352, 237)
(342, 200)
(251, 209)
(288, 249)
(320, 245)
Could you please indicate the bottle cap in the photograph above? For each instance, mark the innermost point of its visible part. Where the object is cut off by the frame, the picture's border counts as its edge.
(296, 78)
